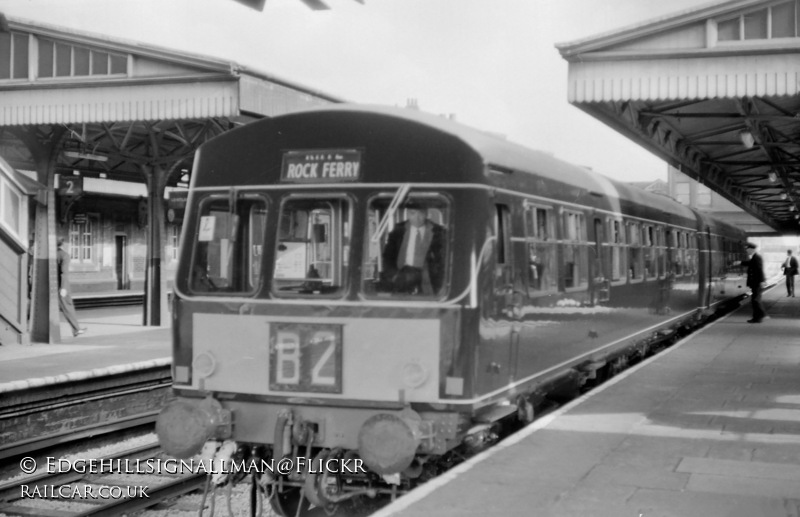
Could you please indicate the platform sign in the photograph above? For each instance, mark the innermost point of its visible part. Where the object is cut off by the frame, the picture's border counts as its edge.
(321, 166)
(176, 205)
(70, 185)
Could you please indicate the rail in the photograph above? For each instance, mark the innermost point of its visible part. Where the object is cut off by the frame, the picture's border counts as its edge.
(49, 415)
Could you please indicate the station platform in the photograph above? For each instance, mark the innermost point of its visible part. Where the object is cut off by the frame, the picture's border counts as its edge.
(710, 427)
(115, 340)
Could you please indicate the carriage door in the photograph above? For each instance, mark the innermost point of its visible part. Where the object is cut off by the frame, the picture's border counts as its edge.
(670, 250)
(495, 362)
(705, 266)
(601, 286)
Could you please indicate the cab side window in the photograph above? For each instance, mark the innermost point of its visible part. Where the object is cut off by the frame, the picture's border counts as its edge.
(406, 246)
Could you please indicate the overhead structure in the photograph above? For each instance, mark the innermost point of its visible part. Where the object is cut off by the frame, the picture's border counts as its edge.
(74, 103)
(713, 91)
(317, 5)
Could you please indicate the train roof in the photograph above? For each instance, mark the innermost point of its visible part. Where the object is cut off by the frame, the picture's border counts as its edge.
(494, 149)
(501, 154)
(428, 141)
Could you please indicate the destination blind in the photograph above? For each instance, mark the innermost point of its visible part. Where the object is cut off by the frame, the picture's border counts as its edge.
(321, 166)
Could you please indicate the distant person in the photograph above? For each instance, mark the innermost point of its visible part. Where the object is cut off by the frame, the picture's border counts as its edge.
(789, 270)
(31, 265)
(413, 257)
(64, 297)
(755, 281)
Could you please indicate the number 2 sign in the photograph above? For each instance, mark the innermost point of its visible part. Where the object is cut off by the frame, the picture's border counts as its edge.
(70, 185)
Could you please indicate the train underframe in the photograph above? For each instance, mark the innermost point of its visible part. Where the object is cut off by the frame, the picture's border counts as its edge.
(396, 451)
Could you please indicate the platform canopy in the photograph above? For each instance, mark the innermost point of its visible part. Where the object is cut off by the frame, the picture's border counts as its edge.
(317, 5)
(713, 91)
(118, 106)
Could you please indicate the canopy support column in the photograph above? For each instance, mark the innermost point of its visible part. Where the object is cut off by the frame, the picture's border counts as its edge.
(156, 311)
(45, 321)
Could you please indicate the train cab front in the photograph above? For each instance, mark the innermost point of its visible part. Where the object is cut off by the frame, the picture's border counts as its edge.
(318, 326)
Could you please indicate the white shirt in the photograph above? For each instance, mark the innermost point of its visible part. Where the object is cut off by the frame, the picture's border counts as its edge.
(412, 244)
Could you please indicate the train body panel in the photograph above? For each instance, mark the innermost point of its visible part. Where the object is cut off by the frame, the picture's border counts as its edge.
(299, 319)
(330, 364)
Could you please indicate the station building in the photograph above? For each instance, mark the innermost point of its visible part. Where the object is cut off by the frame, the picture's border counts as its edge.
(105, 229)
(19, 197)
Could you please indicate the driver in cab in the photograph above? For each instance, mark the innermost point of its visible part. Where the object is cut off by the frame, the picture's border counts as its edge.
(413, 256)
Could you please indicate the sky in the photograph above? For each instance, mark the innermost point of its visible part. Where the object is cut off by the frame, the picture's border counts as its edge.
(492, 64)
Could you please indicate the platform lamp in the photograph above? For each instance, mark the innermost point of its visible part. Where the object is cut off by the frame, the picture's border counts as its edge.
(772, 176)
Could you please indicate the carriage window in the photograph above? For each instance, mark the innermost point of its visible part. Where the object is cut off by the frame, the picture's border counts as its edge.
(541, 250)
(575, 256)
(313, 245)
(229, 242)
(618, 255)
(691, 254)
(406, 253)
(648, 251)
(634, 251)
(678, 253)
(661, 251)
(538, 223)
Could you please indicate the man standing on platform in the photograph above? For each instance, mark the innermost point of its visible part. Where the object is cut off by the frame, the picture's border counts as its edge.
(64, 298)
(755, 281)
(789, 270)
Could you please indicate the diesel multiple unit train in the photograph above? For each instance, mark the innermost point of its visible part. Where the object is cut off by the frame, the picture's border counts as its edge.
(375, 289)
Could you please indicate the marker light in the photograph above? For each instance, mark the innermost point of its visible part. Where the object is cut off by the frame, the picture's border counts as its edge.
(204, 364)
(414, 375)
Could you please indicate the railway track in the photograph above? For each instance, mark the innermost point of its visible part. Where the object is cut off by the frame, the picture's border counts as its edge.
(52, 414)
(80, 492)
